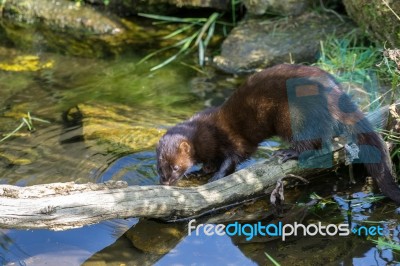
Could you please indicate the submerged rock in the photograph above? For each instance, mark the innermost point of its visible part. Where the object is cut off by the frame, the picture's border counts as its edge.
(381, 19)
(60, 15)
(65, 27)
(258, 43)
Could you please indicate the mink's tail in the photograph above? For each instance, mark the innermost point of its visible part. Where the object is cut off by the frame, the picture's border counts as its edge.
(373, 151)
(375, 156)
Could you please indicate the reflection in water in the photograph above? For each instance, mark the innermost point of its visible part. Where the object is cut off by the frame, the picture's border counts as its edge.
(7, 246)
(42, 158)
(71, 247)
(136, 169)
(155, 243)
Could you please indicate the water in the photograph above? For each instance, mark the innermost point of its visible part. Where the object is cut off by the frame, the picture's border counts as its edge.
(64, 149)
(105, 117)
(67, 148)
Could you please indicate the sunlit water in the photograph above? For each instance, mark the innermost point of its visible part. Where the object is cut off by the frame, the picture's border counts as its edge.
(69, 149)
(60, 150)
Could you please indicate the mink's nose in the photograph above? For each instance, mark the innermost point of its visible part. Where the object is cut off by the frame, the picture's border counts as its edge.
(164, 181)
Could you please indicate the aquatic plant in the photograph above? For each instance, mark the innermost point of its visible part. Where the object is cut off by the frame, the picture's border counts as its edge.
(384, 242)
(26, 121)
(80, 2)
(197, 34)
(199, 39)
(273, 261)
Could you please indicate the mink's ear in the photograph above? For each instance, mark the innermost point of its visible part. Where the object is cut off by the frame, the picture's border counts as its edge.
(185, 147)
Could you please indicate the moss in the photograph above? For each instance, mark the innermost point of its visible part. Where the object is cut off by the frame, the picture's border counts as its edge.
(70, 30)
(377, 19)
(25, 63)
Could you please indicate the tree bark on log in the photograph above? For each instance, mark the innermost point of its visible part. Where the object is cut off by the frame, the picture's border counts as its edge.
(60, 206)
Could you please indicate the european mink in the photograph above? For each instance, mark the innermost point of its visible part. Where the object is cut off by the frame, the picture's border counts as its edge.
(303, 105)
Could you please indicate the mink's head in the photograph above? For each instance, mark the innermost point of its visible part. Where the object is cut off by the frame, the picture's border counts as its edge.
(174, 158)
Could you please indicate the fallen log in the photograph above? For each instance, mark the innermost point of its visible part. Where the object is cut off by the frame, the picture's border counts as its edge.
(60, 206)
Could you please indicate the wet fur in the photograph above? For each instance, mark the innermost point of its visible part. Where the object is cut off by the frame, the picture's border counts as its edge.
(222, 137)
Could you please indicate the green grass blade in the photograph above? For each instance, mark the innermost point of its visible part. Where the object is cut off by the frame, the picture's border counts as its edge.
(166, 62)
(40, 120)
(198, 23)
(233, 9)
(214, 16)
(29, 118)
(195, 68)
(187, 27)
(159, 17)
(207, 28)
(201, 53)
(190, 40)
(171, 19)
(224, 30)
(13, 132)
(385, 243)
(27, 123)
(150, 55)
(183, 49)
(210, 34)
(181, 42)
(272, 259)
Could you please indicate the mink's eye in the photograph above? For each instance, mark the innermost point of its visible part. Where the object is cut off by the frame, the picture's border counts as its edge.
(175, 168)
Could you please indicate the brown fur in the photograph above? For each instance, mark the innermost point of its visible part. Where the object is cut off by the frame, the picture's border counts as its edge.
(222, 137)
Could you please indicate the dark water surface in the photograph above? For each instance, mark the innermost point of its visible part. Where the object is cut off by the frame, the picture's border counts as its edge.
(70, 148)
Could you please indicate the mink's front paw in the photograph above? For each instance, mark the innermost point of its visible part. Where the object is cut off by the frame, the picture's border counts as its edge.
(286, 154)
(216, 177)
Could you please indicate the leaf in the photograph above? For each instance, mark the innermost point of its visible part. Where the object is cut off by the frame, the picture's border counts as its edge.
(272, 259)
(12, 133)
(214, 16)
(210, 34)
(201, 53)
(169, 60)
(183, 49)
(187, 27)
(181, 42)
(171, 19)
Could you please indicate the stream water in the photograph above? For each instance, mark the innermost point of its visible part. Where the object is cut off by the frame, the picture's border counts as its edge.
(64, 147)
(59, 150)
